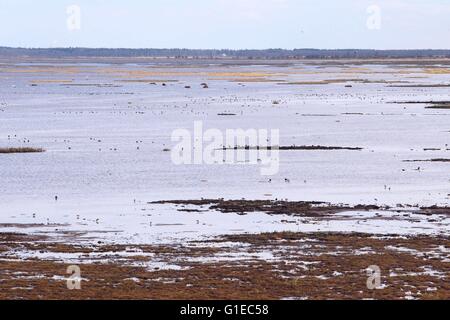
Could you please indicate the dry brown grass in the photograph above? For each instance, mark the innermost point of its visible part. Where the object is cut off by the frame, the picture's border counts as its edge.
(437, 71)
(313, 266)
(51, 81)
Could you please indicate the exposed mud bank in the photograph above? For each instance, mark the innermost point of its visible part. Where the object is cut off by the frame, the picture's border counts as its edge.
(263, 266)
(301, 208)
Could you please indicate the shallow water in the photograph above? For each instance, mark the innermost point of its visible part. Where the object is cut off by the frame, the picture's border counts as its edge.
(91, 134)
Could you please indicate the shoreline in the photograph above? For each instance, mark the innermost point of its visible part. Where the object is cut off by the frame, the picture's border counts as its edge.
(289, 265)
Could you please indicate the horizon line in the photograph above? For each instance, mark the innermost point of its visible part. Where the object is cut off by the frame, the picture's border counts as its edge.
(221, 49)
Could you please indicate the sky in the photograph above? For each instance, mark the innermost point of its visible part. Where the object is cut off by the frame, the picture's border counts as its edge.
(226, 24)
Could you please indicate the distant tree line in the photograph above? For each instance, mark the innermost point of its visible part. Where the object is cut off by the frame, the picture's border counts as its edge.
(237, 54)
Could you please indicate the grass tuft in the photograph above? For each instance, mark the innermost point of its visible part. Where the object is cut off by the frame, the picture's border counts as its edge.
(21, 150)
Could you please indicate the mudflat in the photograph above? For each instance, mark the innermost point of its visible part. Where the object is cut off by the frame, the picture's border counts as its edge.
(87, 179)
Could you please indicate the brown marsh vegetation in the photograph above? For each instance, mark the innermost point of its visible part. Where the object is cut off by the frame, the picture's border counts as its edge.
(21, 150)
